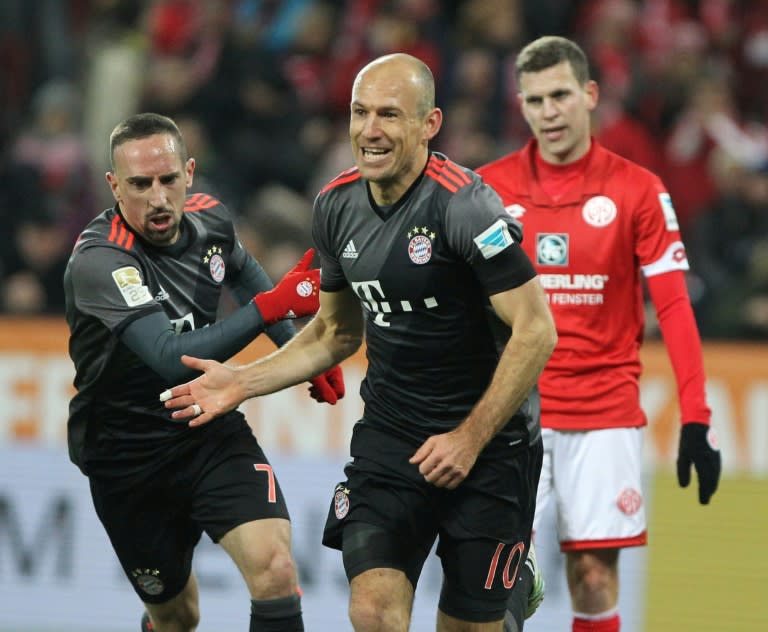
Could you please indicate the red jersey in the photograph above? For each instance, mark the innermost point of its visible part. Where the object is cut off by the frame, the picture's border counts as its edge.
(610, 220)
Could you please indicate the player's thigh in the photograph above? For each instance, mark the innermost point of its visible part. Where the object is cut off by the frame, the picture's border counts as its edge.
(485, 534)
(151, 533)
(598, 486)
(382, 517)
(261, 550)
(236, 485)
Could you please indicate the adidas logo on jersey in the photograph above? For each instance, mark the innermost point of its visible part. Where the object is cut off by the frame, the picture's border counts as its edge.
(349, 251)
(162, 295)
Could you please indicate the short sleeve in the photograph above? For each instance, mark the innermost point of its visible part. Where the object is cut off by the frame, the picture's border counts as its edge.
(484, 235)
(332, 277)
(108, 284)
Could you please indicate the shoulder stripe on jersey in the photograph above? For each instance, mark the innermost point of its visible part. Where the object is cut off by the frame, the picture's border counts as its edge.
(447, 173)
(119, 234)
(451, 169)
(199, 202)
(350, 175)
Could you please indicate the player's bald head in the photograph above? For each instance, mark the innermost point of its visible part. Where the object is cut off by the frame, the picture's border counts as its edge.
(407, 70)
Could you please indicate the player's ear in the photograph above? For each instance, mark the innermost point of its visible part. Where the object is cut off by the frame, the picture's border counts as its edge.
(113, 183)
(189, 171)
(432, 123)
(592, 92)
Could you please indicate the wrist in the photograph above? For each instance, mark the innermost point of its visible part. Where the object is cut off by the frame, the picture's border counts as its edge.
(266, 308)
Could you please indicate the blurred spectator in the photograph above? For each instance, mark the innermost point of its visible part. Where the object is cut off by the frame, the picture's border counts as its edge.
(261, 88)
(709, 120)
(52, 144)
(728, 247)
(34, 283)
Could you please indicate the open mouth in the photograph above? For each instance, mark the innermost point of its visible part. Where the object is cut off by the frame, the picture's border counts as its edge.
(373, 155)
(161, 222)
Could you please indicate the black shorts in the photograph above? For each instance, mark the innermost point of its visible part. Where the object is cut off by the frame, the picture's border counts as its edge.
(155, 522)
(385, 515)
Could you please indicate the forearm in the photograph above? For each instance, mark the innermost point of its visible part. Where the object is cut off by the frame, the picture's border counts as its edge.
(154, 340)
(517, 372)
(681, 337)
(332, 335)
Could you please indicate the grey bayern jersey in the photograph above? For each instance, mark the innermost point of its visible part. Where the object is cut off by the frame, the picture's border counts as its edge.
(167, 299)
(423, 270)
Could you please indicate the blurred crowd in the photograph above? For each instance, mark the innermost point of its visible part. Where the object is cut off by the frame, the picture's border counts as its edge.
(261, 91)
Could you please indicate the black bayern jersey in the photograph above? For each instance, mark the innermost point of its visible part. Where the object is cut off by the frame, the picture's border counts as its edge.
(113, 278)
(423, 270)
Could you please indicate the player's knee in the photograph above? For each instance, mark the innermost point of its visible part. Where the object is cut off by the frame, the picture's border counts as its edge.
(272, 575)
(183, 616)
(370, 613)
(591, 574)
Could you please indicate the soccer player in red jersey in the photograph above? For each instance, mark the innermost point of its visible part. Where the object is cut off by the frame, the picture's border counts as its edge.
(593, 223)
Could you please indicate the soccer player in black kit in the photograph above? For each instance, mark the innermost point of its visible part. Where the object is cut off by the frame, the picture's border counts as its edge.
(418, 255)
(142, 288)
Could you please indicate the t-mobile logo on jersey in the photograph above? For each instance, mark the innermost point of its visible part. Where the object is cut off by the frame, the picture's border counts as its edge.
(372, 297)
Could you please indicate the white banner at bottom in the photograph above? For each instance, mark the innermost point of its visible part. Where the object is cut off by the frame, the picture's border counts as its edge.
(58, 571)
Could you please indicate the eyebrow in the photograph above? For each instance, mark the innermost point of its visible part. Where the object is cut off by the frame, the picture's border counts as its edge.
(554, 93)
(142, 179)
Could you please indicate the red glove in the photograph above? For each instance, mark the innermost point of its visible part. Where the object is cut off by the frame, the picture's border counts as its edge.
(328, 386)
(294, 296)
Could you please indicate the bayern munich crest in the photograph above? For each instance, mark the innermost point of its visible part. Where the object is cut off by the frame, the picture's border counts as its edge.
(148, 580)
(341, 502)
(215, 262)
(420, 244)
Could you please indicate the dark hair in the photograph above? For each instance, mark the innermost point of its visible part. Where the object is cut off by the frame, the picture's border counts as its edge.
(141, 126)
(549, 51)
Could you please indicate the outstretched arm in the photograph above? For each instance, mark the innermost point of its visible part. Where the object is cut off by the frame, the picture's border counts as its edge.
(446, 459)
(154, 339)
(333, 334)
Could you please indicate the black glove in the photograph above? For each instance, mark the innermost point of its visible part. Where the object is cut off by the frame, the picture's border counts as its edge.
(695, 448)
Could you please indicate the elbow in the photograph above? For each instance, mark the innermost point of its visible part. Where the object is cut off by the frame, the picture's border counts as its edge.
(345, 344)
(545, 336)
(177, 374)
(550, 341)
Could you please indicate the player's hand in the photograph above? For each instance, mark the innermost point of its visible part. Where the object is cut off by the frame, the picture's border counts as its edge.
(213, 393)
(446, 459)
(329, 386)
(697, 448)
(294, 296)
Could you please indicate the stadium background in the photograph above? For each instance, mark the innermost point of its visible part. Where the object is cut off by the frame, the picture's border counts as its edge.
(261, 89)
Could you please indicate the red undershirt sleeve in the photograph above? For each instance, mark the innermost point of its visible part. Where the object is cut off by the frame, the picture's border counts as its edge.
(681, 336)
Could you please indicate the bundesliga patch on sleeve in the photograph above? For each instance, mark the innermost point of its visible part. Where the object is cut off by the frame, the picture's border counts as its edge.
(494, 239)
(670, 217)
(128, 281)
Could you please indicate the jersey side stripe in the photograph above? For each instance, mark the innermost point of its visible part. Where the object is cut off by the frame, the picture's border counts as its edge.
(456, 170)
(350, 175)
(201, 202)
(437, 176)
(192, 199)
(451, 170)
(119, 234)
(113, 231)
